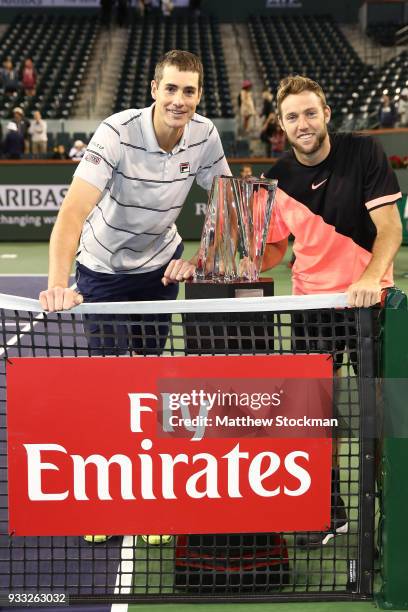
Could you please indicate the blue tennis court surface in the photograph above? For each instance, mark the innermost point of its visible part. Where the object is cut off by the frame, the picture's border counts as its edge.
(25, 286)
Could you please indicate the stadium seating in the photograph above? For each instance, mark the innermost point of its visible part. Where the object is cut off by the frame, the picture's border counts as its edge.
(390, 78)
(313, 46)
(65, 139)
(60, 47)
(316, 47)
(149, 38)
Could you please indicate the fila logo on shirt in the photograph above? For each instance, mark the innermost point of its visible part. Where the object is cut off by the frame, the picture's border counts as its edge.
(94, 159)
(184, 167)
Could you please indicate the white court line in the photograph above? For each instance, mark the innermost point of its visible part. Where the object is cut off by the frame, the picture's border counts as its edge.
(18, 337)
(124, 578)
(27, 275)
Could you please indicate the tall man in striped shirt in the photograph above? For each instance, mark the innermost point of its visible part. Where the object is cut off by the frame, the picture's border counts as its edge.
(128, 191)
(121, 208)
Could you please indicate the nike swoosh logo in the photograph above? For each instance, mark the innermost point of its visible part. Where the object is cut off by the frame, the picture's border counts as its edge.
(318, 184)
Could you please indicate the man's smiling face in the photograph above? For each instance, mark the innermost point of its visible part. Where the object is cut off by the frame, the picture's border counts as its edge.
(177, 96)
(304, 119)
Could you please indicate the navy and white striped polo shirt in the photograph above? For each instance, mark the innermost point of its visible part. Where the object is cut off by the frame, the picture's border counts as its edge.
(132, 229)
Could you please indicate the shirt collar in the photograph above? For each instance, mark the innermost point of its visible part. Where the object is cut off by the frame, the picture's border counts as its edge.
(149, 135)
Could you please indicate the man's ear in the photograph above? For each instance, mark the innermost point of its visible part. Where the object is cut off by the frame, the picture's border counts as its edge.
(153, 89)
(327, 113)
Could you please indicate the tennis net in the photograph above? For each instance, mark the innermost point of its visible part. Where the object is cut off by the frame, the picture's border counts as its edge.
(255, 566)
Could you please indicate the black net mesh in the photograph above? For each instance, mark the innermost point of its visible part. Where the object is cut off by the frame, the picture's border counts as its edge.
(253, 566)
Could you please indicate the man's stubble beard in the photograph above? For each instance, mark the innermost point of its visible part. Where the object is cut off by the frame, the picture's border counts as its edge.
(320, 139)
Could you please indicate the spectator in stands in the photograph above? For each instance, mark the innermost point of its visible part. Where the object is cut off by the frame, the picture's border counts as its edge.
(29, 77)
(245, 171)
(122, 12)
(273, 136)
(267, 131)
(267, 104)
(195, 7)
(140, 8)
(246, 105)
(59, 152)
(167, 7)
(387, 113)
(278, 142)
(13, 146)
(38, 133)
(106, 13)
(403, 108)
(148, 7)
(23, 126)
(9, 78)
(77, 151)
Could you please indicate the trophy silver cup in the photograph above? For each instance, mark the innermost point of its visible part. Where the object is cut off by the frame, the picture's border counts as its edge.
(235, 230)
(229, 263)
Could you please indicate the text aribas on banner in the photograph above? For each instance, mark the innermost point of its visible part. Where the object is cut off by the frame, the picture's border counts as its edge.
(169, 445)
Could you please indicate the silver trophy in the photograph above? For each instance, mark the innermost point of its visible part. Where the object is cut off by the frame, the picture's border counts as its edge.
(235, 229)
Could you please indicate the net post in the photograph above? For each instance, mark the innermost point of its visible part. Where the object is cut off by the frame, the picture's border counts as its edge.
(368, 359)
(393, 592)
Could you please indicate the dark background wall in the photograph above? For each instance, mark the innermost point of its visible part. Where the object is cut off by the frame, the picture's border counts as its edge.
(386, 11)
(238, 10)
(342, 10)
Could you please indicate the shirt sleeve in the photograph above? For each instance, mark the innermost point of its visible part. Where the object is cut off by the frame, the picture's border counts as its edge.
(213, 162)
(101, 157)
(380, 183)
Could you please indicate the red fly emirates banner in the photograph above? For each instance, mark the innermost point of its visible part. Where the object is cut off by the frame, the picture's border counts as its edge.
(169, 445)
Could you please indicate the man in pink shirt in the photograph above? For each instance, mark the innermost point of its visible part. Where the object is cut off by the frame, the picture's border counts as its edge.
(336, 195)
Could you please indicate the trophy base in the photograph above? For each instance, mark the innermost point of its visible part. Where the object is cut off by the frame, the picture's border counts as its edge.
(206, 290)
(228, 333)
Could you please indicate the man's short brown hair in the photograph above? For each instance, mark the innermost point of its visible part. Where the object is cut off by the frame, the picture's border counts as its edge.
(184, 61)
(295, 85)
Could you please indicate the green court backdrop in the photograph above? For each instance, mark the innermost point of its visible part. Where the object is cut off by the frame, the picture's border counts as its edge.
(31, 193)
